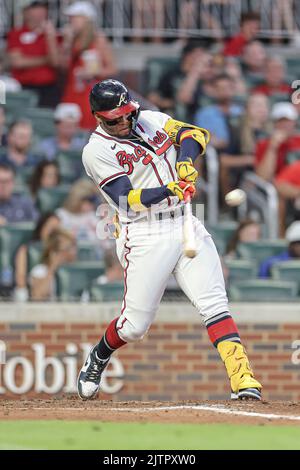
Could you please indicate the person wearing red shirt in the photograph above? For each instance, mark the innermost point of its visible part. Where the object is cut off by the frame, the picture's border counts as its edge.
(271, 153)
(274, 82)
(250, 23)
(86, 56)
(32, 53)
(288, 187)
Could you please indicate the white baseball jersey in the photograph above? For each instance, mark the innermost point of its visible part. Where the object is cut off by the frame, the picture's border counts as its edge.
(151, 252)
(106, 158)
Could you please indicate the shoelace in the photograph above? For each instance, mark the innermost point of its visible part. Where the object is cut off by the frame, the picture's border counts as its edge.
(94, 372)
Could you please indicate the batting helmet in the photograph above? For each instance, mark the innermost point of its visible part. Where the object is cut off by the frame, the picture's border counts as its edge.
(110, 99)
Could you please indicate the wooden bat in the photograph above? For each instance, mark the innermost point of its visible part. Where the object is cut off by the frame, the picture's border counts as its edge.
(189, 238)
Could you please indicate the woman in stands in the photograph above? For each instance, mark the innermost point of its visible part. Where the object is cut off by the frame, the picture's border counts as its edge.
(247, 231)
(46, 175)
(45, 226)
(60, 248)
(86, 56)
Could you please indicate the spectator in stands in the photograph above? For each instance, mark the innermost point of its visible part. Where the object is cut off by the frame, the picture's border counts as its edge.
(19, 140)
(78, 213)
(287, 183)
(11, 84)
(250, 24)
(13, 207)
(233, 69)
(87, 57)
(253, 63)
(33, 53)
(292, 236)
(239, 156)
(67, 117)
(3, 136)
(271, 153)
(216, 117)
(247, 231)
(183, 84)
(60, 248)
(46, 175)
(114, 272)
(46, 224)
(275, 79)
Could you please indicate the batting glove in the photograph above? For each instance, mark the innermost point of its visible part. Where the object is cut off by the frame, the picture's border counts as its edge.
(186, 171)
(180, 189)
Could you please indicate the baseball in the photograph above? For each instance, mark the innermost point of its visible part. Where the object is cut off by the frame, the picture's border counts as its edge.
(235, 198)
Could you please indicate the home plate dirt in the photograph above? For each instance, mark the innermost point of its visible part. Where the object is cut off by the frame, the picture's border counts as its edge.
(72, 408)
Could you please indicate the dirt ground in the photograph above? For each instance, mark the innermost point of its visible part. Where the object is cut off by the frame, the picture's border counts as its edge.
(72, 408)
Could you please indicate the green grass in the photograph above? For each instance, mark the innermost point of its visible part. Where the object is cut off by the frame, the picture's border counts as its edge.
(150, 436)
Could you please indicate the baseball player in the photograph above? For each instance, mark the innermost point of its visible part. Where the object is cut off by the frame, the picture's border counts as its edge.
(142, 162)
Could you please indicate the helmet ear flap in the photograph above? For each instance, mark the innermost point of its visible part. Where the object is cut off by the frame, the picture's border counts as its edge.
(134, 119)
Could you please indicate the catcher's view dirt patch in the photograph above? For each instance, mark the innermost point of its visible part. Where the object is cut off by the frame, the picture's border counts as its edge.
(72, 408)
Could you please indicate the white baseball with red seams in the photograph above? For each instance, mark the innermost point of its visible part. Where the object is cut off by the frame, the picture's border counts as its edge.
(150, 250)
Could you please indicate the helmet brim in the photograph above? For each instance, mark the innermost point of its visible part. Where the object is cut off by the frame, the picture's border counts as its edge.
(120, 111)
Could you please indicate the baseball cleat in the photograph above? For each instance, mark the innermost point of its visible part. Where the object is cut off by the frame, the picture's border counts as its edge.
(89, 377)
(247, 394)
(243, 384)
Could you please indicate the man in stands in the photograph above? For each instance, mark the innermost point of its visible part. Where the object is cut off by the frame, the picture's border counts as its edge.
(33, 54)
(271, 153)
(19, 140)
(250, 23)
(275, 82)
(67, 117)
(13, 207)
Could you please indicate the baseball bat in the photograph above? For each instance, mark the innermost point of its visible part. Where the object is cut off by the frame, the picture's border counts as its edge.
(189, 239)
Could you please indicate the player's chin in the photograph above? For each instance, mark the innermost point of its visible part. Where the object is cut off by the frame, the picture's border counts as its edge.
(124, 132)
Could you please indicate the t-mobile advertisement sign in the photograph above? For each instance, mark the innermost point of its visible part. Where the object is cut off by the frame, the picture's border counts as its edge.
(51, 375)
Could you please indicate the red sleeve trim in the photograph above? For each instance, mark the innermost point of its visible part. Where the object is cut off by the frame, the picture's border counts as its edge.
(109, 178)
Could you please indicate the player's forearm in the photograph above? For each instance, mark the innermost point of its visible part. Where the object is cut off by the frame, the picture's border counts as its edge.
(122, 193)
(189, 148)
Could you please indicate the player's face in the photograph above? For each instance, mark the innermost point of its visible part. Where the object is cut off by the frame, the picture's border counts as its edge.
(120, 127)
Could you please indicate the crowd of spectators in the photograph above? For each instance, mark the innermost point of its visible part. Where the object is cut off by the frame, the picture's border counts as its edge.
(236, 89)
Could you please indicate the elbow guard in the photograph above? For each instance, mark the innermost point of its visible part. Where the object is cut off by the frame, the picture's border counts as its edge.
(134, 200)
(199, 134)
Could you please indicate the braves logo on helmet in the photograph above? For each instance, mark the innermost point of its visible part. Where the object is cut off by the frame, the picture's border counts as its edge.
(122, 100)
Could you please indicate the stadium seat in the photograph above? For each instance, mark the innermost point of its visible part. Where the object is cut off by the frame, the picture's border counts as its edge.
(262, 290)
(240, 269)
(50, 199)
(17, 102)
(261, 250)
(11, 237)
(293, 67)
(107, 292)
(42, 120)
(77, 277)
(155, 69)
(34, 254)
(222, 233)
(23, 176)
(293, 156)
(287, 271)
(70, 165)
(89, 251)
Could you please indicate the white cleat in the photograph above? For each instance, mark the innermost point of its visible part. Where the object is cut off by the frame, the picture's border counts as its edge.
(89, 378)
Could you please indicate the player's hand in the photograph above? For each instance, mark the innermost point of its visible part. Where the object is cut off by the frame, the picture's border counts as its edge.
(186, 171)
(181, 189)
